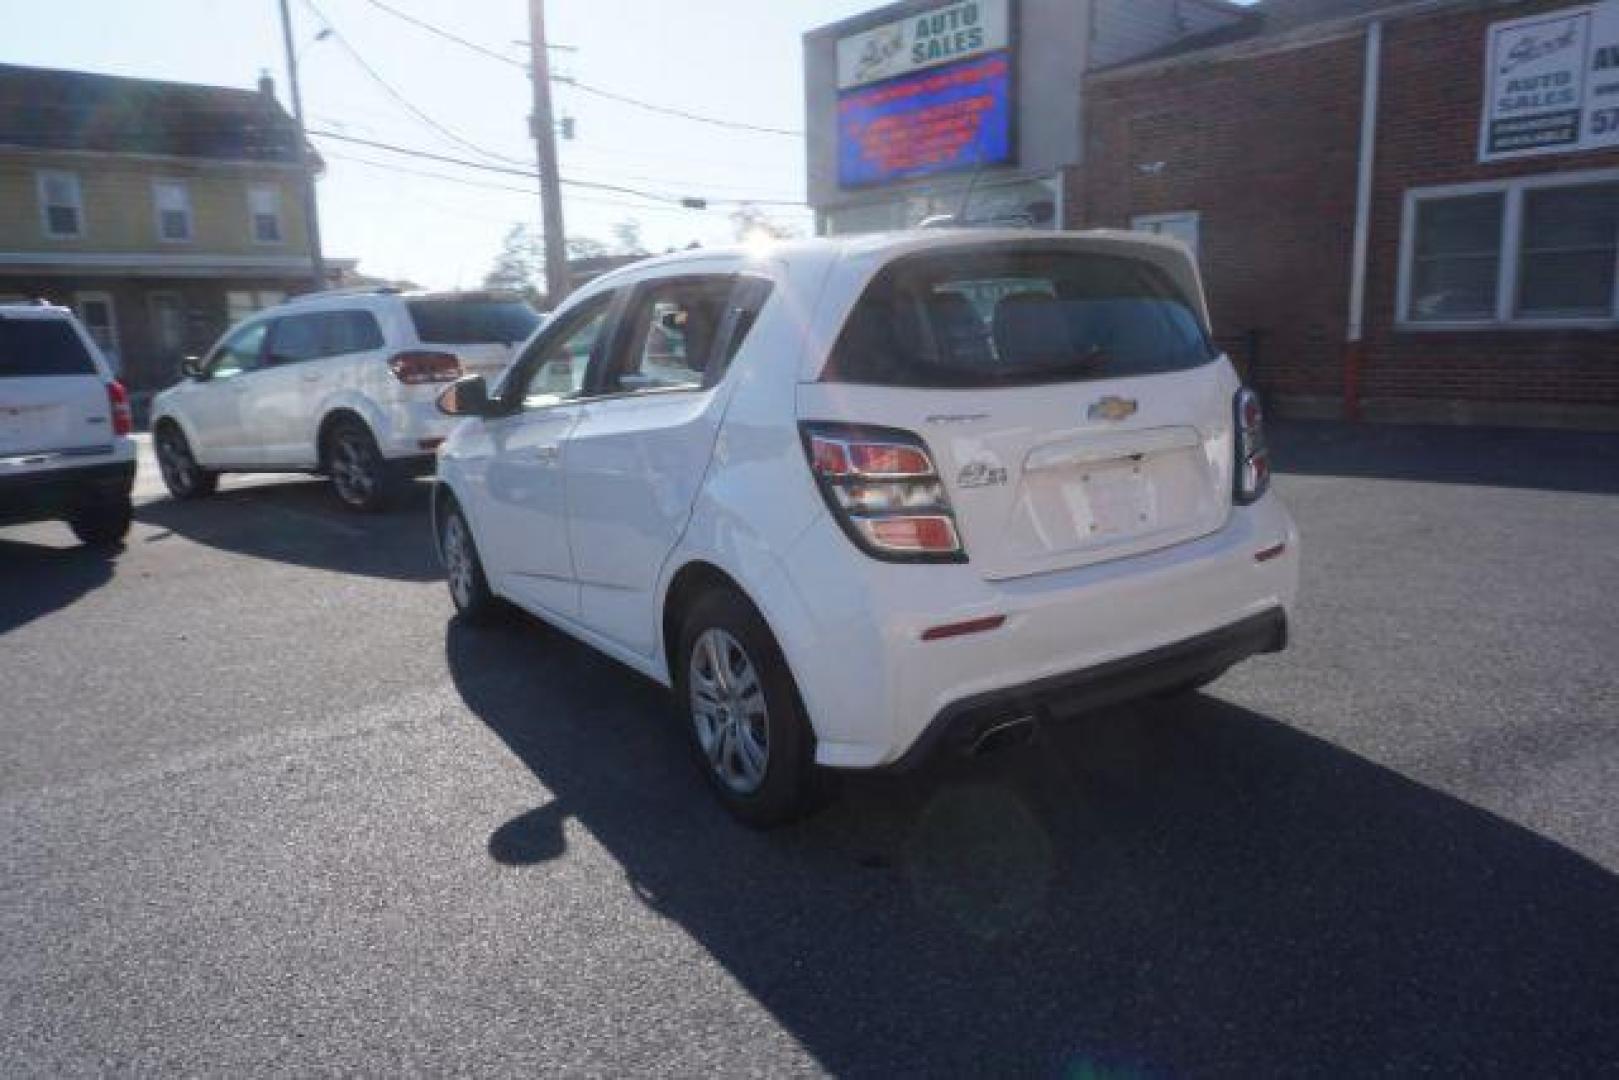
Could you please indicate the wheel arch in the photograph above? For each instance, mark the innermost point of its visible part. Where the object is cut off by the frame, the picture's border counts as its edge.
(336, 416)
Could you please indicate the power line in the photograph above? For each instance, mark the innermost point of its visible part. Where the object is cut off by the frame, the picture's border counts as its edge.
(446, 35)
(623, 99)
(666, 110)
(526, 174)
(466, 182)
(400, 98)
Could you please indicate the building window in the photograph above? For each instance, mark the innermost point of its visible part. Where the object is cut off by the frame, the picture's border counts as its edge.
(1457, 262)
(264, 212)
(95, 312)
(1569, 253)
(172, 201)
(240, 303)
(61, 204)
(1185, 227)
(1533, 251)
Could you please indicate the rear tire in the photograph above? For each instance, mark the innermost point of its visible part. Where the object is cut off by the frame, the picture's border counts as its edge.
(749, 733)
(469, 588)
(363, 479)
(184, 478)
(102, 525)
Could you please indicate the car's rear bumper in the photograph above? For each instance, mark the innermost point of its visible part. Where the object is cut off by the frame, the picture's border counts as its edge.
(44, 494)
(962, 726)
(862, 637)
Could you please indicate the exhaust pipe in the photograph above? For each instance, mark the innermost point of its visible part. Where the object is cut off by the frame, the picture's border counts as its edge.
(1001, 735)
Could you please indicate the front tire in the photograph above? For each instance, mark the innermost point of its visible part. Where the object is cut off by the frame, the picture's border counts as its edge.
(363, 479)
(184, 478)
(103, 525)
(469, 588)
(748, 729)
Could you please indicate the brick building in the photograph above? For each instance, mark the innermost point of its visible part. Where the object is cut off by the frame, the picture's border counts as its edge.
(1411, 206)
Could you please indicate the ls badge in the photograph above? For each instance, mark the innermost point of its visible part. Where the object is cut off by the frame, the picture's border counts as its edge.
(1112, 409)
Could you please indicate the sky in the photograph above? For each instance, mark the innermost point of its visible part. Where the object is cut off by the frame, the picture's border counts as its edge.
(737, 60)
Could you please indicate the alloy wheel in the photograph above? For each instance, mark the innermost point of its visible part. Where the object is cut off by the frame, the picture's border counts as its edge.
(458, 560)
(353, 468)
(174, 461)
(729, 711)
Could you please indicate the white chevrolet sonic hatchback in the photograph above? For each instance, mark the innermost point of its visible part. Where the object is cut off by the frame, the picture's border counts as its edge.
(859, 499)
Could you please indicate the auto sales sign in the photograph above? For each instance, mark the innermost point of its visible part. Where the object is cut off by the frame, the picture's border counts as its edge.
(930, 93)
(1552, 84)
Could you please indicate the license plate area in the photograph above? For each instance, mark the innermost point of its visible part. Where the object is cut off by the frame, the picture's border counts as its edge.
(1109, 499)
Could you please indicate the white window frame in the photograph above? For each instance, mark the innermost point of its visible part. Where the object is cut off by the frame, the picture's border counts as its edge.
(1150, 223)
(158, 185)
(42, 180)
(274, 192)
(1506, 284)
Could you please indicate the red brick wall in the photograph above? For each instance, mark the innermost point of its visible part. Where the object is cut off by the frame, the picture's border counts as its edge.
(1265, 148)
(1432, 100)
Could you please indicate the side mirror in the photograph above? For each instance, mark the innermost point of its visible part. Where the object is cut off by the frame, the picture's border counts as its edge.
(467, 396)
(191, 368)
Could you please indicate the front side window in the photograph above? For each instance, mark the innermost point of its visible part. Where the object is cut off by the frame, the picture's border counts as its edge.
(240, 353)
(264, 211)
(1569, 252)
(1021, 316)
(674, 330)
(61, 204)
(1456, 258)
(173, 205)
(554, 367)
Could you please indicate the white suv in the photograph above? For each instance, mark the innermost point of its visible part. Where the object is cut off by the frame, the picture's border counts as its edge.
(65, 450)
(341, 383)
(860, 499)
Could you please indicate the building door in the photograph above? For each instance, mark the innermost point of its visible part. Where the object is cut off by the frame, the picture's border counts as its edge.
(95, 312)
(168, 332)
(1182, 226)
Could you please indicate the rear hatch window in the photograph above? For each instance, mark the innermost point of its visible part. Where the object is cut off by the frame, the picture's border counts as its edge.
(472, 322)
(41, 347)
(1015, 317)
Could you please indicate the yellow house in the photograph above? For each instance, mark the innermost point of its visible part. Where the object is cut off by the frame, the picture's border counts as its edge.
(160, 212)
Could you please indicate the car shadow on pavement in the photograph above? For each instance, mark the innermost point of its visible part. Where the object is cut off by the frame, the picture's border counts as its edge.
(1179, 887)
(1573, 461)
(302, 523)
(37, 579)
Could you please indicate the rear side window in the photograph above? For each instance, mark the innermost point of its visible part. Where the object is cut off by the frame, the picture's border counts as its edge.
(322, 334)
(472, 322)
(34, 347)
(992, 318)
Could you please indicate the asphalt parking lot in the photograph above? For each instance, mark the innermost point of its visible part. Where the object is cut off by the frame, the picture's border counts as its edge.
(265, 808)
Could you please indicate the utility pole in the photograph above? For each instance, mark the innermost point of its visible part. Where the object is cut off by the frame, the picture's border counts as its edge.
(557, 283)
(317, 265)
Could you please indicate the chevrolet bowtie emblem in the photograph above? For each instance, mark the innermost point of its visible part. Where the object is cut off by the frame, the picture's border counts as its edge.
(1111, 409)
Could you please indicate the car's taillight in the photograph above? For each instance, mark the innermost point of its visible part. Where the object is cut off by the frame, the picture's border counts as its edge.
(1253, 456)
(883, 488)
(414, 368)
(118, 402)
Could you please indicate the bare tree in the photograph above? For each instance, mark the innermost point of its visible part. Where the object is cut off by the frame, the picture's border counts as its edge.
(752, 223)
(627, 238)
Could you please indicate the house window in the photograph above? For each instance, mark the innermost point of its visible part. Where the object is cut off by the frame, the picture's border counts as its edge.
(264, 212)
(61, 204)
(95, 312)
(172, 200)
(240, 303)
(1533, 251)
